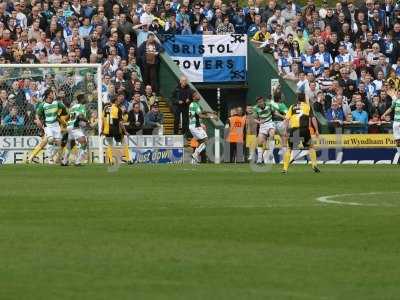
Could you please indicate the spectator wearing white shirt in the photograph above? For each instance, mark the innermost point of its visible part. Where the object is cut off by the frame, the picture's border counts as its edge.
(348, 45)
(373, 56)
(289, 13)
(312, 92)
(34, 31)
(379, 81)
(56, 56)
(343, 57)
(146, 18)
(302, 83)
(307, 60)
(277, 17)
(325, 81)
(278, 34)
(285, 62)
(317, 69)
(370, 88)
(323, 56)
(20, 16)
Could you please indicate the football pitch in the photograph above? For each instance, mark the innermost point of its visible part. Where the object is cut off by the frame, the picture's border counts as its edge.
(199, 232)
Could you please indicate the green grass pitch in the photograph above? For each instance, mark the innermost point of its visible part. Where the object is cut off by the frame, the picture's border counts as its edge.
(199, 232)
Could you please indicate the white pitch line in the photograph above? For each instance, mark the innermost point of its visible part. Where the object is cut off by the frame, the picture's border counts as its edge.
(328, 199)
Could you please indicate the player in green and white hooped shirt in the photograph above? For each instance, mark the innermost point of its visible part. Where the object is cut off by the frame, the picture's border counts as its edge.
(396, 122)
(280, 128)
(47, 117)
(196, 114)
(263, 112)
(77, 118)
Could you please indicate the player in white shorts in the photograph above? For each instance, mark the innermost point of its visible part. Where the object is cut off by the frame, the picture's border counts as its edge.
(196, 127)
(77, 118)
(263, 112)
(396, 122)
(47, 113)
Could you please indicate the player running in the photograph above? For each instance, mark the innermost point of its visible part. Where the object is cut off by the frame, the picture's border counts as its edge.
(77, 120)
(263, 112)
(47, 118)
(279, 120)
(196, 127)
(396, 123)
(300, 118)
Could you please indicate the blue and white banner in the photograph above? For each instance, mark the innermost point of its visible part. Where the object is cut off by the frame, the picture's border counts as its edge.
(209, 58)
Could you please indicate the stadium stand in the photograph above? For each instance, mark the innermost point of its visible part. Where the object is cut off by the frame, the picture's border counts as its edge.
(337, 55)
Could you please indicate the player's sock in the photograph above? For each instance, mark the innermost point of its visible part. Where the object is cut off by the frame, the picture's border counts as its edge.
(286, 159)
(260, 151)
(265, 155)
(397, 156)
(270, 152)
(58, 153)
(50, 152)
(67, 152)
(35, 151)
(81, 153)
(313, 156)
(200, 149)
(109, 154)
(127, 153)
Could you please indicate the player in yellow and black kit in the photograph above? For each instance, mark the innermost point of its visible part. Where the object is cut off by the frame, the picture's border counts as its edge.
(300, 119)
(113, 128)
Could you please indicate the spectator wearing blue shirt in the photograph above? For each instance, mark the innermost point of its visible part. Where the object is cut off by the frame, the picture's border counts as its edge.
(253, 27)
(88, 9)
(359, 115)
(186, 29)
(142, 34)
(307, 60)
(396, 67)
(182, 15)
(86, 29)
(153, 120)
(323, 56)
(13, 118)
(239, 21)
(335, 116)
(285, 62)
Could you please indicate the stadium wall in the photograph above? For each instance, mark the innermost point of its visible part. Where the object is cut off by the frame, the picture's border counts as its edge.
(262, 68)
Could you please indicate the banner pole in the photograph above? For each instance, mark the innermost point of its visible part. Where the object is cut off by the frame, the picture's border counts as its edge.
(219, 102)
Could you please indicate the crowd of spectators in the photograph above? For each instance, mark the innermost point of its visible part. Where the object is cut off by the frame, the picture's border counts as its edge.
(338, 55)
(346, 58)
(76, 32)
(22, 89)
